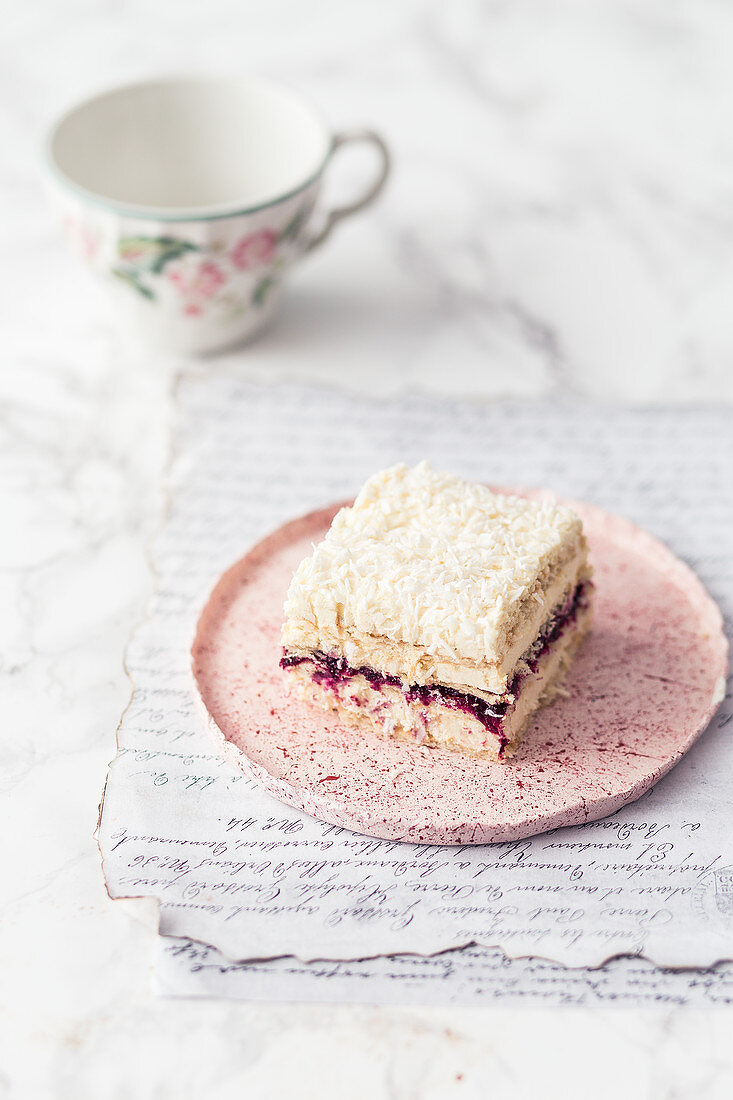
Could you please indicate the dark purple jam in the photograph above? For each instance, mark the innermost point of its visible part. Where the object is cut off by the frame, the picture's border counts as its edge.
(331, 671)
(557, 624)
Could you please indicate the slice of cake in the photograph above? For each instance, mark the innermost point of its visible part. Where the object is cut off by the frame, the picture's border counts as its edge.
(439, 611)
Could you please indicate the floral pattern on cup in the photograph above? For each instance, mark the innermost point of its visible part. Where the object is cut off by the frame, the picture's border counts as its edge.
(205, 277)
(84, 238)
(254, 250)
(197, 286)
(144, 257)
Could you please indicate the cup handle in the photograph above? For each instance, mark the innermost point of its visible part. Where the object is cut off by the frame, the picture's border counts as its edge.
(339, 212)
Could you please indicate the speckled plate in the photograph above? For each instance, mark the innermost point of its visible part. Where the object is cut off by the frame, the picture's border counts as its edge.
(644, 685)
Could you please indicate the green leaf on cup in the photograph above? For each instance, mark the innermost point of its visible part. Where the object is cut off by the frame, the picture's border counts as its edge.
(131, 278)
(294, 226)
(153, 253)
(262, 290)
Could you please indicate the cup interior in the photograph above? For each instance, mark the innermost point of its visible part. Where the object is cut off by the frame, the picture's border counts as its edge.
(190, 147)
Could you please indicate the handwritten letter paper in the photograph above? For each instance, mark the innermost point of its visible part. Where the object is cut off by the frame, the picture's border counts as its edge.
(255, 879)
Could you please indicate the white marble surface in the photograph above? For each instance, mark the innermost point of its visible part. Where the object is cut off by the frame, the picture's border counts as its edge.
(560, 219)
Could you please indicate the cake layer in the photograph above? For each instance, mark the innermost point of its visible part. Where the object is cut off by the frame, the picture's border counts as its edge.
(413, 664)
(433, 579)
(440, 715)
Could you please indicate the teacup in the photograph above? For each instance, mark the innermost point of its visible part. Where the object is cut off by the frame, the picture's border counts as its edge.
(193, 197)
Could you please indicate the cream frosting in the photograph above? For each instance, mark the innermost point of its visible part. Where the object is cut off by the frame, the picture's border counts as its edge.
(428, 561)
(413, 665)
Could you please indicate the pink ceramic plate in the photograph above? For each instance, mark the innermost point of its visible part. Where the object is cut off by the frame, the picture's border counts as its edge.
(644, 685)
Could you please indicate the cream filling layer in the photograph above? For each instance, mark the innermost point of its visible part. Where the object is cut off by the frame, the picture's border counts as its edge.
(415, 665)
(437, 724)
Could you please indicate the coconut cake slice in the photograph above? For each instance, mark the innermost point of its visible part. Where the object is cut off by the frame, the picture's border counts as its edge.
(439, 611)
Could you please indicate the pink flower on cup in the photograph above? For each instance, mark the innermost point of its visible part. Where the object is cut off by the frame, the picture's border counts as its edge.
(88, 242)
(207, 280)
(85, 239)
(197, 286)
(257, 249)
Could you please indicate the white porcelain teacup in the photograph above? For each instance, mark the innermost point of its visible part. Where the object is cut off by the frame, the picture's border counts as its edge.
(193, 197)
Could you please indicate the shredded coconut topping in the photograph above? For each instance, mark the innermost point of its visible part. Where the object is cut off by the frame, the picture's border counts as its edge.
(428, 559)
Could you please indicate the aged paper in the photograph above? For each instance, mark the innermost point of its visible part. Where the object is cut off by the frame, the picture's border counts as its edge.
(467, 976)
(237, 870)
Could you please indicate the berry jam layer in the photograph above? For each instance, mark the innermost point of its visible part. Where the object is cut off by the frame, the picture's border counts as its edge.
(439, 715)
